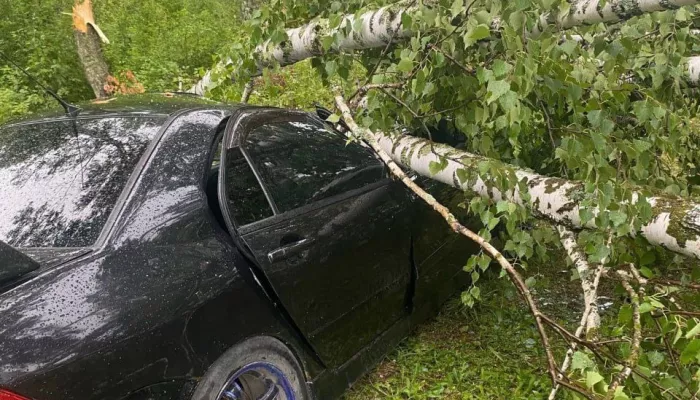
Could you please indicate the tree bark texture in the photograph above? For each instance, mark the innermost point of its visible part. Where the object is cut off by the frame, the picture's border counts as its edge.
(675, 224)
(588, 12)
(88, 36)
(92, 60)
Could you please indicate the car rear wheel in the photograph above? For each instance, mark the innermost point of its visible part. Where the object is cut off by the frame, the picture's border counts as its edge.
(260, 368)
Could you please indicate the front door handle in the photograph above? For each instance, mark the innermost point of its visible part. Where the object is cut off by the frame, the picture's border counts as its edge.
(285, 252)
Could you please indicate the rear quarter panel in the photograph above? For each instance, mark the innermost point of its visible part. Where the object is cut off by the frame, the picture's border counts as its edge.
(155, 306)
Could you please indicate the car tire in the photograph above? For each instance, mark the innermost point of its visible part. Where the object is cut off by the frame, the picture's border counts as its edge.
(252, 367)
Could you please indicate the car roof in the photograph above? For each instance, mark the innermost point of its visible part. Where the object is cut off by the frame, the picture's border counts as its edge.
(129, 105)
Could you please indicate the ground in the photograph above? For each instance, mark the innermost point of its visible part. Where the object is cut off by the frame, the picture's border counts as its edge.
(489, 352)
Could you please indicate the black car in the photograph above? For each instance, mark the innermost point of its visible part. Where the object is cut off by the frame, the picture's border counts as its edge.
(172, 248)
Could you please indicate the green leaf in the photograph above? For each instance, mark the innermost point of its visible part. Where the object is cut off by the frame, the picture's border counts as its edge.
(462, 175)
(497, 89)
(569, 46)
(595, 118)
(641, 146)
(645, 308)
(620, 394)
(618, 218)
(484, 262)
(601, 252)
(693, 332)
(655, 358)
(457, 7)
(500, 68)
(405, 65)
(646, 272)
(471, 264)
(331, 67)
(624, 316)
(592, 377)
(333, 118)
(580, 361)
(530, 282)
(475, 276)
(475, 292)
(502, 206)
(474, 34)
(691, 352)
(436, 167)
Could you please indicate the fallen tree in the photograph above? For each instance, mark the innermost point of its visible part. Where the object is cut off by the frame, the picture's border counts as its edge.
(380, 27)
(621, 148)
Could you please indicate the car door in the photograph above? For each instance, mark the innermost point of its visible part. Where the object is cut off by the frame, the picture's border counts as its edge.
(333, 237)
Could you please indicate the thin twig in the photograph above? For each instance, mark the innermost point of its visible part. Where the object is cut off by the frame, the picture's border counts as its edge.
(362, 91)
(548, 120)
(669, 350)
(684, 313)
(604, 355)
(631, 361)
(670, 282)
(444, 111)
(469, 70)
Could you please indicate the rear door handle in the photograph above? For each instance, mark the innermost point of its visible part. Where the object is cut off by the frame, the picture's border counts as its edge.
(285, 252)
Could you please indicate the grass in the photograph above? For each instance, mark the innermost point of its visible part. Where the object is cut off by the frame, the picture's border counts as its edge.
(489, 352)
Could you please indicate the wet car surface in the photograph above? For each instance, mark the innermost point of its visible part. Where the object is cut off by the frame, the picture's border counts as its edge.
(166, 231)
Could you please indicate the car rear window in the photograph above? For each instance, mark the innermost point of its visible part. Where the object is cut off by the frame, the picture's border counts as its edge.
(59, 181)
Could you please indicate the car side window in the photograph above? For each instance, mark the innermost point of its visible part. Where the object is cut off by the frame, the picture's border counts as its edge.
(246, 199)
(303, 162)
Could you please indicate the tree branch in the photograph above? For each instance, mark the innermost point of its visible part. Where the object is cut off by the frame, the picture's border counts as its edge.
(633, 358)
(590, 319)
(456, 226)
(247, 91)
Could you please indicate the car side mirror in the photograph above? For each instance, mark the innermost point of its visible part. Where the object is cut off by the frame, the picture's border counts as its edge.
(14, 264)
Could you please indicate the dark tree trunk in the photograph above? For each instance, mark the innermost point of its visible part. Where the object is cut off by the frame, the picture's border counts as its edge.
(92, 59)
(87, 38)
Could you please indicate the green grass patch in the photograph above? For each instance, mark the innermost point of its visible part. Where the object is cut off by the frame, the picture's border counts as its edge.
(492, 351)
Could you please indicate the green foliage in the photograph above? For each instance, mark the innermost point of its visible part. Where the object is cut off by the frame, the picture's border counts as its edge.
(610, 107)
(38, 37)
(163, 43)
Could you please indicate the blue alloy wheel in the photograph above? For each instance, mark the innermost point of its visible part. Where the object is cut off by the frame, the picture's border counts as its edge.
(258, 381)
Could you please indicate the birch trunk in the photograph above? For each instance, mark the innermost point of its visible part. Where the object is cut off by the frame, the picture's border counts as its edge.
(588, 12)
(675, 225)
(379, 27)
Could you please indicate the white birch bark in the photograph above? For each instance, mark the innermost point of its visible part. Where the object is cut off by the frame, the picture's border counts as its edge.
(675, 226)
(588, 12)
(694, 70)
(376, 28)
(589, 276)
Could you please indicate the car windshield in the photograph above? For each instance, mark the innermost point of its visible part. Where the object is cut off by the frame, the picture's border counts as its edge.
(60, 180)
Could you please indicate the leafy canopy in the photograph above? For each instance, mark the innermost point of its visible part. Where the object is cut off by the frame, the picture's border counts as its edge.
(608, 105)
